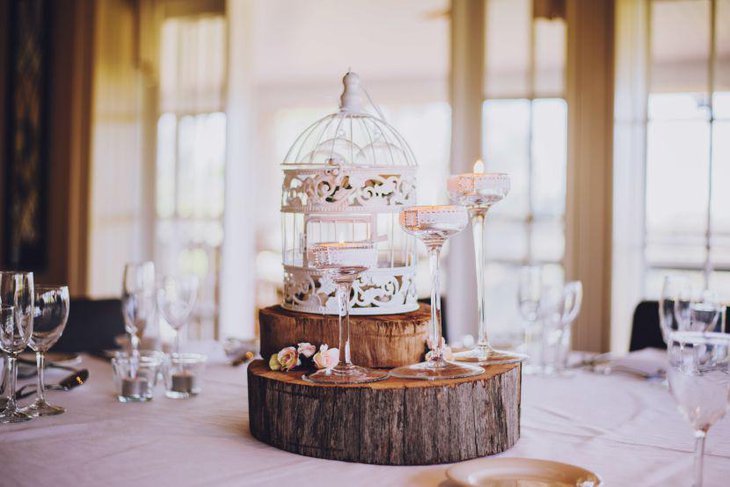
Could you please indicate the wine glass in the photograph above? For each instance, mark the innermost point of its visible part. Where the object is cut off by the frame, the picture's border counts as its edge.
(433, 225)
(673, 288)
(698, 314)
(529, 293)
(138, 301)
(343, 262)
(699, 381)
(16, 327)
(573, 300)
(49, 321)
(547, 330)
(176, 297)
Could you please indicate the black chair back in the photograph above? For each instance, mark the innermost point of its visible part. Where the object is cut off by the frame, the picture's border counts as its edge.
(92, 326)
(645, 331)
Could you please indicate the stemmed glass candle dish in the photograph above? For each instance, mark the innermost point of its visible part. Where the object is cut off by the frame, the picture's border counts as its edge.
(434, 225)
(478, 191)
(343, 262)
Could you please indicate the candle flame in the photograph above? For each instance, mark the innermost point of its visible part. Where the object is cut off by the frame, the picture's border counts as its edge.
(479, 167)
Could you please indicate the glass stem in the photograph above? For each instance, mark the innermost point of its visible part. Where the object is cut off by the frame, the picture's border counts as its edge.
(40, 358)
(13, 380)
(343, 315)
(177, 341)
(436, 349)
(134, 344)
(6, 376)
(478, 215)
(699, 457)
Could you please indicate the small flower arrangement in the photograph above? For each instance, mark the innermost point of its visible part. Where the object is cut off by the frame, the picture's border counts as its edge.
(304, 355)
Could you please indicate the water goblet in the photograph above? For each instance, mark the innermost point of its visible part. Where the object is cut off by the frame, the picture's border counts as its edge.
(559, 307)
(434, 225)
(673, 288)
(343, 262)
(49, 321)
(699, 381)
(573, 300)
(176, 299)
(138, 301)
(478, 191)
(698, 313)
(16, 327)
(529, 292)
(4, 381)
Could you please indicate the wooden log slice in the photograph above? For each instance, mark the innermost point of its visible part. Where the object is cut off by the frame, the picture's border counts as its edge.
(383, 341)
(392, 422)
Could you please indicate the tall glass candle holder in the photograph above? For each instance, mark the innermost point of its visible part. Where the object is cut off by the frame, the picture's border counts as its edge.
(478, 191)
(434, 225)
(343, 262)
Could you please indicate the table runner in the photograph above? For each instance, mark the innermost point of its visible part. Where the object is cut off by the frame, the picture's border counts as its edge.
(624, 428)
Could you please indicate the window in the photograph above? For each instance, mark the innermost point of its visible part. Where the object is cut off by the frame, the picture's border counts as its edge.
(191, 147)
(672, 149)
(525, 135)
(404, 68)
(687, 214)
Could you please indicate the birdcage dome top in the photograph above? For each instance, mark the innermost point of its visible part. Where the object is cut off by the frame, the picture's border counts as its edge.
(353, 136)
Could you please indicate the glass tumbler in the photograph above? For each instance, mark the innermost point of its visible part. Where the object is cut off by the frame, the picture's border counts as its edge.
(183, 374)
(135, 377)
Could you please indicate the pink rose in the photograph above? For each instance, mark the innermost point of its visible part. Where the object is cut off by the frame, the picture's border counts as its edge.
(327, 357)
(306, 349)
(288, 358)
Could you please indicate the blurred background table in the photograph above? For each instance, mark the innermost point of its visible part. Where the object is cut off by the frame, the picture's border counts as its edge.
(624, 428)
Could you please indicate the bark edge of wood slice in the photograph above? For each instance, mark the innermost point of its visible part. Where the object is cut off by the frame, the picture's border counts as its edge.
(391, 422)
(380, 341)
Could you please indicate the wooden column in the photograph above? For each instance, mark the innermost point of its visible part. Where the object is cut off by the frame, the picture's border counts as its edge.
(467, 82)
(589, 184)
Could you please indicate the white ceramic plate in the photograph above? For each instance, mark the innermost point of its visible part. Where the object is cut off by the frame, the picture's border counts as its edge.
(521, 472)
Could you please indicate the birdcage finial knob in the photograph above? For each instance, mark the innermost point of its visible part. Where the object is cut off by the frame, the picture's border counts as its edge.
(351, 99)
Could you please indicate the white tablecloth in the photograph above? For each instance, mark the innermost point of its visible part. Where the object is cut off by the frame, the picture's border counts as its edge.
(624, 428)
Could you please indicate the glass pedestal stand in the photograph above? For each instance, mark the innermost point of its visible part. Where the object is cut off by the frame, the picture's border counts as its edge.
(483, 353)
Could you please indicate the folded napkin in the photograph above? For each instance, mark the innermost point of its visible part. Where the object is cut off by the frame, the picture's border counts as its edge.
(648, 363)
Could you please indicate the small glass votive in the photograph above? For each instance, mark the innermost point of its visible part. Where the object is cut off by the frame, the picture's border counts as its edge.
(183, 374)
(135, 379)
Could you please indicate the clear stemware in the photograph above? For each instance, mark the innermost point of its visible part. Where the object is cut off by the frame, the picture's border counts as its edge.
(138, 301)
(529, 293)
(49, 321)
(343, 262)
(478, 192)
(698, 313)
(573, 300)
(699, 381)
(434, 225)
(176, 298)
(16, 327)
(672, 288)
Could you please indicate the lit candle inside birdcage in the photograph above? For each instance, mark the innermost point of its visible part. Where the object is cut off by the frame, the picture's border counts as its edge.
(346, 177)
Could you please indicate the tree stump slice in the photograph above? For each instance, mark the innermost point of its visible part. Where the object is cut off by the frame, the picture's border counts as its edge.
(383, 341)
(391, 422)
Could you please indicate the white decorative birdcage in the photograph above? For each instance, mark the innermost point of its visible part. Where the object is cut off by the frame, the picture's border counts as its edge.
(346, 178)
